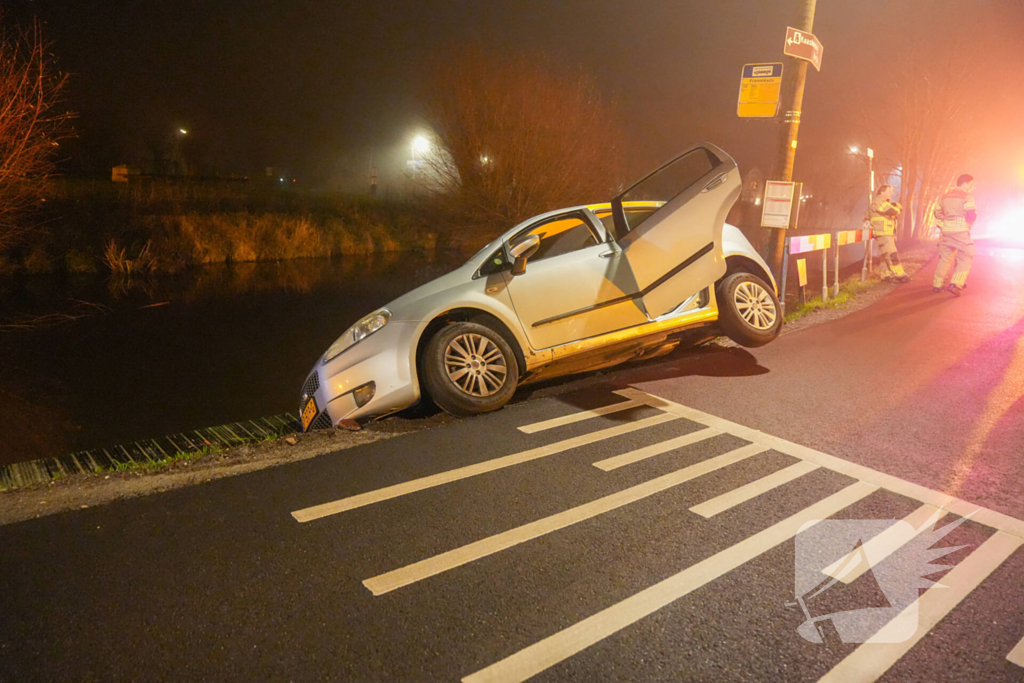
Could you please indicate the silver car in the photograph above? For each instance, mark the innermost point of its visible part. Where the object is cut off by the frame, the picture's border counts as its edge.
(567, 291)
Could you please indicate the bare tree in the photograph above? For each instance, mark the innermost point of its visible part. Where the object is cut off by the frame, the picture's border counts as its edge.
(932, 112)
(31, 124)
(518, 136)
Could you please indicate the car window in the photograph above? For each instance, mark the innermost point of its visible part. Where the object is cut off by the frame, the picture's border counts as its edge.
(668, 182)
(495, 263)
(633, 216)
(560, 235)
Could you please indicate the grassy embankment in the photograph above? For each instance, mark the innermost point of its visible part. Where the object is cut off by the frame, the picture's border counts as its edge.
(915, 256)
(152, 225)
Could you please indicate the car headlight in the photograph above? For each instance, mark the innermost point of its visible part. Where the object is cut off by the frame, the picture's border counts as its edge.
(361, 330)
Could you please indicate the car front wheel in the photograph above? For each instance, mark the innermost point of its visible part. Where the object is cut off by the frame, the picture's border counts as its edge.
(469, 368)
(748, 310)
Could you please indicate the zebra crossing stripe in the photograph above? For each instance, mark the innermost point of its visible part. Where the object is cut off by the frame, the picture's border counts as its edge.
(558, 647)
(885, 544)
(957, 506)
(412, 486)
(579, 416)
(437, 564)
(639, 454)
(1016, 655)
(731, 499)
(872, 659)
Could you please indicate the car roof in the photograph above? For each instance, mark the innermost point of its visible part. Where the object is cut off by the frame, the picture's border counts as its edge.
(603, 206)
(652, 204)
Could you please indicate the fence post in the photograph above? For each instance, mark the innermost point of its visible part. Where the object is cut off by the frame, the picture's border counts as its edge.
(824, 275)
(785, 272)
(835, 275)
(867, 259)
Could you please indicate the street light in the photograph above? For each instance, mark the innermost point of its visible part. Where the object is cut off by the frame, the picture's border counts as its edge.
(854, 149)
(420, 145)
(183, 131)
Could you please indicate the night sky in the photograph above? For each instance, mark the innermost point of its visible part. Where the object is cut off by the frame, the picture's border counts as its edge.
(316, 89)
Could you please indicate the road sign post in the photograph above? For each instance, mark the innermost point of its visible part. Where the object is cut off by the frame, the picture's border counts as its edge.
(792, 102)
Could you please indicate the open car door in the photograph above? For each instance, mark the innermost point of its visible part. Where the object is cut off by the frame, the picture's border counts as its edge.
(676, 250)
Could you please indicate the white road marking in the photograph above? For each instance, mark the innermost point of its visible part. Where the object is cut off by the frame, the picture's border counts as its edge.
(872, 659)
(721, 503)
(437, 564)
(580, 416)
(957, 506)
(1016, 655)
(568, 642)
(386, 493)
(884, 544)
(639, 454)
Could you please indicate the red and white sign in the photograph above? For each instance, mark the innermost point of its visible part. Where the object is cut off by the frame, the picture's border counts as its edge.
(803, 45)
(778, 204)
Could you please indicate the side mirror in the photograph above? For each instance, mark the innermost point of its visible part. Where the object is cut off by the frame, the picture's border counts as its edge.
(522, 251)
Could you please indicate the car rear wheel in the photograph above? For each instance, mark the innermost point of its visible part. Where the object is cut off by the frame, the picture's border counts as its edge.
(748, 310)
(469, 368)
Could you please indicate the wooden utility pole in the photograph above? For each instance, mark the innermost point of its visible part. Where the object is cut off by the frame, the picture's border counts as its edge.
(792, 103)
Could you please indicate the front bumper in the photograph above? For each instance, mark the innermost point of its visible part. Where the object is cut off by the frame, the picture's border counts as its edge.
(386, 358)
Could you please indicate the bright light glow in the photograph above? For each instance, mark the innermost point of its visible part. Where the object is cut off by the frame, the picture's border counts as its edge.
(854, 149)
(757, 202)
(281, 179)
(485, 159)
(1009, 224)
(183, 131)
(420, 144)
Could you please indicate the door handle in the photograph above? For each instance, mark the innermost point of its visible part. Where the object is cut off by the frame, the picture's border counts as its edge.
(715, 183)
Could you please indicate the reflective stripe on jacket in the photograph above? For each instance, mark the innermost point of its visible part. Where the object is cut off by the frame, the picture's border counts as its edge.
(882, 215)
(952, 210)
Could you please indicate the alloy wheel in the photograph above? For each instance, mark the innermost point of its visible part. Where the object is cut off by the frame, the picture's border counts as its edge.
(755, 305)
(475, 365)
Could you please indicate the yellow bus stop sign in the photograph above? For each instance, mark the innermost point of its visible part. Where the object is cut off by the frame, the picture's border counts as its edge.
(760, 86)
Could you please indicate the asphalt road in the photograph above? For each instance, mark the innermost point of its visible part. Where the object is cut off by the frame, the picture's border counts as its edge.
(650, 535)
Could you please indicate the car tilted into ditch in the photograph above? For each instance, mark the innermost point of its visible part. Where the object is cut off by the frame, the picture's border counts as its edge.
(568, 291)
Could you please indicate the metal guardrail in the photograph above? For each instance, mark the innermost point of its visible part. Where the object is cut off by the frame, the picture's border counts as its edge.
(802, 244)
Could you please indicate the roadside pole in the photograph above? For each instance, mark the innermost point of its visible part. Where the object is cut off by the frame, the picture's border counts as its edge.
(785, 268)
(792, 103)
(869, 245)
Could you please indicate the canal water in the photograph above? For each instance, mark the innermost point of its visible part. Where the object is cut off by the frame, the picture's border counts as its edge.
(89, 362)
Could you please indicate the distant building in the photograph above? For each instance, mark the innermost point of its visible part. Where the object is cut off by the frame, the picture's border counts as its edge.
(120, 174)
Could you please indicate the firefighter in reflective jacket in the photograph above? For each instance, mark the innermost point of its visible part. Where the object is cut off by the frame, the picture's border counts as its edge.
(955, 214)
(882, 214)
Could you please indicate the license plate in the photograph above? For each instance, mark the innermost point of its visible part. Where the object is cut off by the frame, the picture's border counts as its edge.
(308, 413)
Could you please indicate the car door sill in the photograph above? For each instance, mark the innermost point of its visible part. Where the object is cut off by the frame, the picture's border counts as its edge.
(664, 325)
